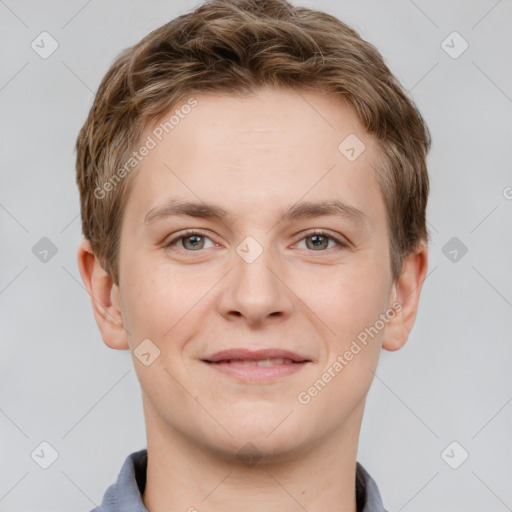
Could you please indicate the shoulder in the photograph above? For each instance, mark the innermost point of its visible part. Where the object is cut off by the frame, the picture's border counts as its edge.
(368, 497)
(125, 495)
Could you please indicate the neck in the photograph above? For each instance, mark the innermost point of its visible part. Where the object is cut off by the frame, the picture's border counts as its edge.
(185, 477)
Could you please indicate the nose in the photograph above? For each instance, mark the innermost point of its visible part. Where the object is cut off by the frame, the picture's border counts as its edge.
(255, 291)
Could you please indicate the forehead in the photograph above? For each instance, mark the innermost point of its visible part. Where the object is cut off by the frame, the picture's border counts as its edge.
(258, 152)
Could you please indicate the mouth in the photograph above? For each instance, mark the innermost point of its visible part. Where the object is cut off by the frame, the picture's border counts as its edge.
(257, 366)
(256, 362)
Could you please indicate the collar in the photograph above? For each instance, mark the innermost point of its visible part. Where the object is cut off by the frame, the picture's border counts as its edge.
(126, 494)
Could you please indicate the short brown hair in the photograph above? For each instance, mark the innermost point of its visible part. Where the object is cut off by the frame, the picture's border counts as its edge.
(236, 47)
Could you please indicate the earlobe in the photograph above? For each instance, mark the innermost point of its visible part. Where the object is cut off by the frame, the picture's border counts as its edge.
(406, 293)
(104, 296)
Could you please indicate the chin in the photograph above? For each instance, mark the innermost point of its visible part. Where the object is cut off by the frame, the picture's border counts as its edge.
(251, 451)
(269, 440)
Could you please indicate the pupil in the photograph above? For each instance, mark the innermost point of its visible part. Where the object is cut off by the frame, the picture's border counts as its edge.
(194, 240)
(318, 241)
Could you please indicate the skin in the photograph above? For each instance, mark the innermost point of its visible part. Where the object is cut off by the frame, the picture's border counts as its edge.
(254, 156)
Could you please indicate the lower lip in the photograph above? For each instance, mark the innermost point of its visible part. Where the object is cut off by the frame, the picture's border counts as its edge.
(257, 373)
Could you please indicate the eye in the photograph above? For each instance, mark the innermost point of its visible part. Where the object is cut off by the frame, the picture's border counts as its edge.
(190, 241)
(318, 240)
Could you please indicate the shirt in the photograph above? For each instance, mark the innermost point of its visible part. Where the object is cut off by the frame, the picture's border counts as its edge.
(126, 494)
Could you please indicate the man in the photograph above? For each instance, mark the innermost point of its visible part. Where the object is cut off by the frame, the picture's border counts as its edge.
(253, 189)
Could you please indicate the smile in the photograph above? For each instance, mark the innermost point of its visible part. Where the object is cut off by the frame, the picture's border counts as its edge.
(260, 362)
(257, 371)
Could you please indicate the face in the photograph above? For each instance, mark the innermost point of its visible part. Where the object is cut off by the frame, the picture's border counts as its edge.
(248, 268)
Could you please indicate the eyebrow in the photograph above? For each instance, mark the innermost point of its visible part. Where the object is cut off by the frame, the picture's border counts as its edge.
(304, 209)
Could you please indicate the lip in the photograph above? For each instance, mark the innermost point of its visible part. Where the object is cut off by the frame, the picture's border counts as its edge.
(243, 354)
(237, 363)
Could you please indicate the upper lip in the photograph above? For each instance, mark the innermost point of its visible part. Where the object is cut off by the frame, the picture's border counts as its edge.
(255, 355)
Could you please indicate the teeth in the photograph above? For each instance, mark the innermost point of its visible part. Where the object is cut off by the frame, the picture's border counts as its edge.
(270, 362)
(262, 362)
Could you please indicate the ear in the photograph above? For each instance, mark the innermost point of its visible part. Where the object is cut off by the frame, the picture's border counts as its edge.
(406, 293)
(105, 298)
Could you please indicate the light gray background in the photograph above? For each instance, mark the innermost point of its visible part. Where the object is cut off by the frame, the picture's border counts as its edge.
(451, 382)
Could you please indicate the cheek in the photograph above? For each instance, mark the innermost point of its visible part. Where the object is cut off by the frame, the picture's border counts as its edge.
(146, 300)
(346, 298)
(161, 300)
(350, 309)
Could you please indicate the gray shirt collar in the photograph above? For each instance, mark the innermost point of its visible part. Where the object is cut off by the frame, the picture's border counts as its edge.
(125, 494)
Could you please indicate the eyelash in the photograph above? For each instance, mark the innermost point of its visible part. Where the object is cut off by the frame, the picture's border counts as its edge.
(189, 233)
